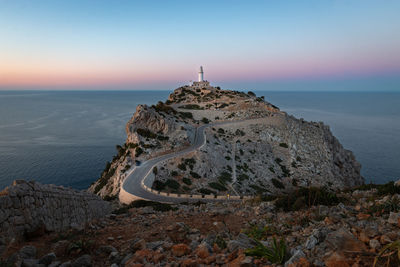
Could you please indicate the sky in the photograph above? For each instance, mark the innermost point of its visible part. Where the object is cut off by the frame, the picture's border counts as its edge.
(158, 44)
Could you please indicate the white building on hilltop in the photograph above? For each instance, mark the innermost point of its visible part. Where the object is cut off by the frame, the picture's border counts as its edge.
(201, 84)
(201, 74)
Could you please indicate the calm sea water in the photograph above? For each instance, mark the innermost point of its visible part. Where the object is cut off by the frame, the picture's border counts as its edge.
(67, 137)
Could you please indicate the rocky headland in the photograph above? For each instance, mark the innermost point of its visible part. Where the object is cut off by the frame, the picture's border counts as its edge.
(261, 151)
(306, 203)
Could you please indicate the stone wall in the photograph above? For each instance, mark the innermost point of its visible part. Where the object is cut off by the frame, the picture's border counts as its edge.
(29, 207)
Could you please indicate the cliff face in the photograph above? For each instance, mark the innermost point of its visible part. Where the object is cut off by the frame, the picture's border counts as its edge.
(261, 151)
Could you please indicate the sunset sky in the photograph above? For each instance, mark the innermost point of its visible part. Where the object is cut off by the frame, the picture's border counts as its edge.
(154, 44)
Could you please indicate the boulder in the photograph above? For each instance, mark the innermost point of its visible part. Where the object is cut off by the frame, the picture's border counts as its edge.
(48, 258)
(202, 251)
(343, 240)
(137, 244)
(31, 263)
(28, 252)
(242, 241)
(374, 244)
(297, 255)
(106, 250)
(83, 261)
(180, 250)
(394, 218)
(154, 245)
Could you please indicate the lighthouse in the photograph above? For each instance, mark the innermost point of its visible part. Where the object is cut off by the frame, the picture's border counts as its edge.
(201, 74)
(201, 84)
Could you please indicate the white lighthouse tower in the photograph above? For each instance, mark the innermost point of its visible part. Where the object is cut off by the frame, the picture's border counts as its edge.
(201, 84)
(201, 74)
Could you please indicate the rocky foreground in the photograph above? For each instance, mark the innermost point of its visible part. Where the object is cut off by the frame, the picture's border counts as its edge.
(312, 227)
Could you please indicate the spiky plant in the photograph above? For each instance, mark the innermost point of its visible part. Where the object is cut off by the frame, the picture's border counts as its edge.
(275, 254)
(392, 254)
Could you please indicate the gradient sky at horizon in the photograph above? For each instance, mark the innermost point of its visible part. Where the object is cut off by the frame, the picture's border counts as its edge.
(148, 44)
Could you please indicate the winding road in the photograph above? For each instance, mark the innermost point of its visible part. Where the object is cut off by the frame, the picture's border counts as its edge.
(133, 187)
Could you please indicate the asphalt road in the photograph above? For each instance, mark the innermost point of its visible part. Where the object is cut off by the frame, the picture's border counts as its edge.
(132, 184)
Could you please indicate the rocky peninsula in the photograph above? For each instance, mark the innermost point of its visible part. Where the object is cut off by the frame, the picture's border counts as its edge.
(296, 196)
(262, 150)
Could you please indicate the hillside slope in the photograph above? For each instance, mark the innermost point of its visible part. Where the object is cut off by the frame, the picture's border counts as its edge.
(265, 151)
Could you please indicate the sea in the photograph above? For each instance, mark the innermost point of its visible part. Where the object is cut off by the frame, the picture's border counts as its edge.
(66, 137)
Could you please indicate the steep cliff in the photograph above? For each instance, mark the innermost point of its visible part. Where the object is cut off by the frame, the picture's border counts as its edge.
(261, 151)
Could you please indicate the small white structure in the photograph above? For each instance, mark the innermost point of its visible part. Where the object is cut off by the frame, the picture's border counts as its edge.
(201, 74)
(201, 84)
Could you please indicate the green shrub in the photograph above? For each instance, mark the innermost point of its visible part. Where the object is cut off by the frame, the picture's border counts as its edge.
(240, 132)
(146, 133)
(389, 255)
(172, 184)
(205, 120)
(182, 166)
(161, 107)
(157, 206)
(220, 242)
(259, 190)
(221, 131)
(195, 175)
(382, 189)
(162, 137)
(277, 183)
(388, 189)
(285, 171)
(81, 245)
(186, 115)
(283, 145)
(187, 181)
(174, 173)
(256, 232)
(243, 177)
(305, 198)
(275, 254)
(105, 177)
(120, 150)
(108, 165)
(384, 208)
(250, 93)
(271, 169)
(158, 185)
(155, 170)
(108, 198)
(132, 145)
(127, 167)
(191, 106)
(217, 186)
(225, 177)
(5, 263)
(206, 191)
(190, 161)
(138, 151)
